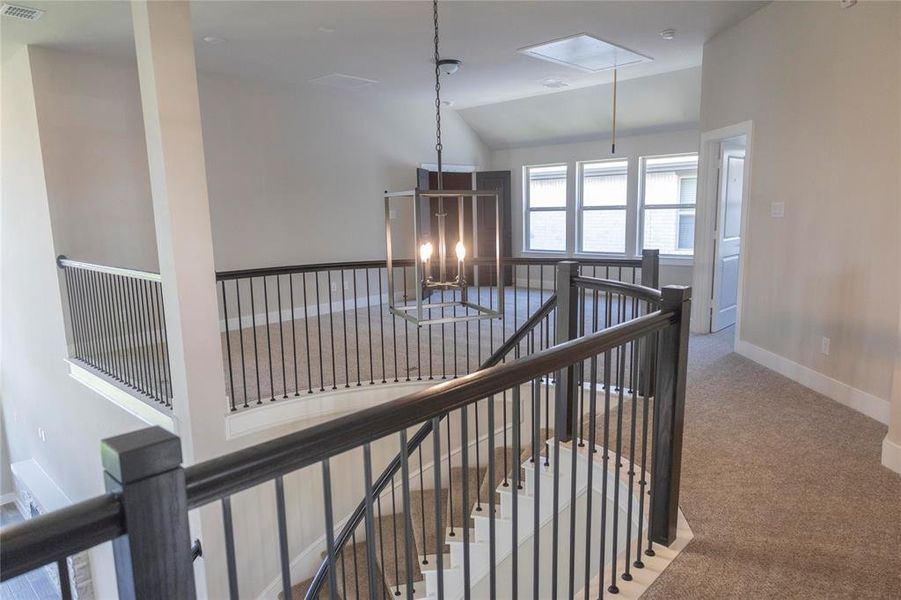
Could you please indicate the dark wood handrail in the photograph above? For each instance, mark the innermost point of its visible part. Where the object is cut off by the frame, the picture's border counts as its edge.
(226, 475)
(373, 264)
(620, 287)
(54, 536)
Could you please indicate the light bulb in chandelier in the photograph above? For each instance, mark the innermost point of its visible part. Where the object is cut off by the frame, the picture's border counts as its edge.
(425, 251)
(461, 251)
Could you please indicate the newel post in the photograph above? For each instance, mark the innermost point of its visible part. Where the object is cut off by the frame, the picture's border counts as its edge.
(153, 559)
(566, 388)
(669, 415)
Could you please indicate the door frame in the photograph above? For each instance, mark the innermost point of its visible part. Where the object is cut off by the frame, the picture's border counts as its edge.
(708, 197)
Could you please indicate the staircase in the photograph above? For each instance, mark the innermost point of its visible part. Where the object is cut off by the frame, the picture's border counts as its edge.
(390, 571)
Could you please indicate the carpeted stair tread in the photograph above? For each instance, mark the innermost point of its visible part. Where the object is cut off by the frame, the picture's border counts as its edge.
(393, 561)
(500, 454)
(353, 576)
(422, 513)
(299, 590)
(461, 516)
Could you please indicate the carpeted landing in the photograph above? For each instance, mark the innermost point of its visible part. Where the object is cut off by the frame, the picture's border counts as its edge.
(783, 489)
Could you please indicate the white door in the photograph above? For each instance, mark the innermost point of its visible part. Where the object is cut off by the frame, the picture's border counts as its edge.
(728, 234)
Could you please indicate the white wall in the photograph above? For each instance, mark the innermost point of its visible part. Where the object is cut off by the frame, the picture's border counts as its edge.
(92, 138)
(821, 85)
(34, 385)
(296, 175)
(514, 159)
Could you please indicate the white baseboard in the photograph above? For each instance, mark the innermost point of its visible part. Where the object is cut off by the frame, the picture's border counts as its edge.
(891, 455)
(861, 401)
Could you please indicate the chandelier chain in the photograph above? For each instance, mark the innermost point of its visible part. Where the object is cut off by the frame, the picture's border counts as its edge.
(438, 146)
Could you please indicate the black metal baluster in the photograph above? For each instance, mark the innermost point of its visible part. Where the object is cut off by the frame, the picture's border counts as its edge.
(464, 452)
(536, 506)
(126, 332)
(589, 493)
(450, 481)
(122, 329)
(647, 409)
(382, 325)
(283, 537)
(492, 526)
(344, 331)
(154, 367)
(370, 521)
(319, 333)
(230, 562)
(228, 347)
(256, 357)
(306, 330)
(329, 529)
(605, 460)
(281, 335)
(627, 576)
(155, 335)
(406, 329)
(394, 343)
(517, 462)
(573, 507)
(73, 324)
(115, 329)
(478, 459)
(439, 528)
(425, 550)
(167, 367)
(331, 329)
(353, 540)
(369, 328)
(394, 538)
(268, 340)
(621, 365)
(378, 506)
(408, 519)
(294, 333)
(241, 339)
(357, 328)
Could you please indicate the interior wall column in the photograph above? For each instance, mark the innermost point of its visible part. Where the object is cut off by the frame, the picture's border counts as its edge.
(172, 126)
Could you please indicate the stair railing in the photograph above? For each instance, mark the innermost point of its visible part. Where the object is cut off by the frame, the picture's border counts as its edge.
(387, 476)
(149, 495)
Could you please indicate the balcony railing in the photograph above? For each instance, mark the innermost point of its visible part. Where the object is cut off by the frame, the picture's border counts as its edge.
(617, 430)
(117, 327)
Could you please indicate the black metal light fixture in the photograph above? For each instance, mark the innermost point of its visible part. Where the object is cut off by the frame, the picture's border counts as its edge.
(447, 279)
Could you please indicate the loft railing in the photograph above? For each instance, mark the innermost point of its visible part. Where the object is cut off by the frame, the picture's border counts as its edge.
(610, 435)
(296, 330)
(117, 327)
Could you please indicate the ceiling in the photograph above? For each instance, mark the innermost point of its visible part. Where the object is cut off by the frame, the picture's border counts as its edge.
(670, 101)
(291, 43)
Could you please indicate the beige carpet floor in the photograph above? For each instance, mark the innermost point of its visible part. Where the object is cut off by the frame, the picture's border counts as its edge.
(783, 489)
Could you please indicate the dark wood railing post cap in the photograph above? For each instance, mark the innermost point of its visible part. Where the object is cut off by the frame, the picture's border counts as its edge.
(674, 295)
(140, 454)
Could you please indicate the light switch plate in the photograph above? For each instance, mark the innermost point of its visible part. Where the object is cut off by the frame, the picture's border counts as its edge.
(777, 210)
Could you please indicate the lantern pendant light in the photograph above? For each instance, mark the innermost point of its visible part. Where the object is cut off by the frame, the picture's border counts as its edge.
(429, 303)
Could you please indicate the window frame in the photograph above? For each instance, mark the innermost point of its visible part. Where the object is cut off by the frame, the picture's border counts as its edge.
(528, 208)
(642, 206)
(581, 208)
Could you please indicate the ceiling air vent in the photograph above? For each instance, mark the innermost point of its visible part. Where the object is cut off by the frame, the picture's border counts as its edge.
(21, 12)
(343, 82)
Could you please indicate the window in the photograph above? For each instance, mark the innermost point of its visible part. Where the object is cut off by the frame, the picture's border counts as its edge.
(545, 195)
(668, 192)
(602, 206)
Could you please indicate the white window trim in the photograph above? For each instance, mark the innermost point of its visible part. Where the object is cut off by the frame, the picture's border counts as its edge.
(527, 211)
(671, 259)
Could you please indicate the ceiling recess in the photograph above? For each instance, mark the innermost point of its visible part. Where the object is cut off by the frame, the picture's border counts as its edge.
(24, 13)
(585, 52)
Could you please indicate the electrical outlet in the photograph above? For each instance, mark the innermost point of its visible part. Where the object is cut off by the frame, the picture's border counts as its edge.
(824, 345)
(777, 210)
